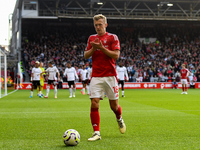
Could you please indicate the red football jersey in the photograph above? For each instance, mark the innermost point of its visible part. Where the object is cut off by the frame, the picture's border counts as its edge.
(184, 73)
(103, 65)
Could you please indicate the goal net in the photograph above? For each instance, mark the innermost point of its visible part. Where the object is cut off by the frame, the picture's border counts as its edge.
(8, 74)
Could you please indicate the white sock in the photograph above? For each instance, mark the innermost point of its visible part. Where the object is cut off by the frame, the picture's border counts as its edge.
(48, 87)
(122, 92)
(31, 93)
(70, 91)
(88, 89)
(74, 89)
(83, 90)
(39, 93)
(55, 90)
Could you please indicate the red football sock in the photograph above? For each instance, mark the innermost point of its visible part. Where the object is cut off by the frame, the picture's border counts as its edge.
(95, 118)
(118, 112)
(183, 88)
(186, 88)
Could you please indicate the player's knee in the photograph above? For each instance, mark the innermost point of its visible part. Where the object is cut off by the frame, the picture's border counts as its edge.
(95, 103)
(114, 106)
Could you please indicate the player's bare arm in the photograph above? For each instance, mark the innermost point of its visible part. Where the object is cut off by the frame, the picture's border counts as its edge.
(89, 53)
(81, 76)
(41, 75)
(58, 76)
(31, 77)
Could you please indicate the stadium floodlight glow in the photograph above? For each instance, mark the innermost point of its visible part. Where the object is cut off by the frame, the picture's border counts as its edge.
(170, 4)
(160, 5)
(100, 3)
(33, 2)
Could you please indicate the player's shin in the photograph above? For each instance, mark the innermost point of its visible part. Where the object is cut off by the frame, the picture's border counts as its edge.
(48, 87)
(41, 89)
(74, 90)
(31, 93)
(185, 88)
(38, 90)
(95, 118)
(122, 92)
(55, 90)
(88, 89)
(118, 113)
(70, 91)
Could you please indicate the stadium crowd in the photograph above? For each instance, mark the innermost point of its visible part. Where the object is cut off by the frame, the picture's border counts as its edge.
(153, 62)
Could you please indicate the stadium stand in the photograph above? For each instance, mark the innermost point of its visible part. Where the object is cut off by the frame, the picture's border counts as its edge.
(156, 62)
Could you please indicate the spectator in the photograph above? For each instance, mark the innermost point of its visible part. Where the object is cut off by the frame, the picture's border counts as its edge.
(151, 78)
(164, 57)
(174, 84)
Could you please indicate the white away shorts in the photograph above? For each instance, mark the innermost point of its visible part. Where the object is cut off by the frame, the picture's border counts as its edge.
(109, 85)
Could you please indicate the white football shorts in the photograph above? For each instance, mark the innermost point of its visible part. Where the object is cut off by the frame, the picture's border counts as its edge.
(109, 85)
(183, 81)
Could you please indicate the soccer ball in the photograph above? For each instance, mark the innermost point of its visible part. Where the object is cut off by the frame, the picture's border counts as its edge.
(71, 137)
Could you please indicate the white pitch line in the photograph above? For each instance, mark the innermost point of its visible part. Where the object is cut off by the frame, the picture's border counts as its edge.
(9, 93)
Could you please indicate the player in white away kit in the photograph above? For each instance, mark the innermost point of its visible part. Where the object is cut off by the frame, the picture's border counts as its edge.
(35, 78)
(184, 75)
(104, 48)
(52, 70)
(70, 72)
(83, 76)
(89, 75)
(121, 73)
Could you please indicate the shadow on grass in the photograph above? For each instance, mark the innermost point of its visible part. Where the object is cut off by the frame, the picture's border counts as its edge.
(67, 147)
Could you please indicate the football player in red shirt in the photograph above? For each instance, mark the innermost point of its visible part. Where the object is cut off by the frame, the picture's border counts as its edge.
(104, 48)
(184, 75)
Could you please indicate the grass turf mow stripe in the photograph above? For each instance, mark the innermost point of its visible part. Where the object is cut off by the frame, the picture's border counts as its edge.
(155, 119)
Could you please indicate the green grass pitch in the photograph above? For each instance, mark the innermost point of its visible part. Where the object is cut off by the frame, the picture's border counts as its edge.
(156, 119)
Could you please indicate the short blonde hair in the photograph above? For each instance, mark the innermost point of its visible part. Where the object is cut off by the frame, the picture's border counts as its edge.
(183, 64)
(100, 16)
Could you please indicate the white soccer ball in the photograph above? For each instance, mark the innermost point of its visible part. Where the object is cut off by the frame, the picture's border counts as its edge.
(71, 137)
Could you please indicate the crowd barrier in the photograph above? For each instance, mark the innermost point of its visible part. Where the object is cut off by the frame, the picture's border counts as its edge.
(128, 85)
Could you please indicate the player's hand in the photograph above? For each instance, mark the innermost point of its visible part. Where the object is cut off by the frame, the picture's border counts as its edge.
(96, 44)
(96, 40)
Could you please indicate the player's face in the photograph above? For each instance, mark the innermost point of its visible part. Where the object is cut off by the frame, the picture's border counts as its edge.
(183, 66)
(50, 65)
(100, 26)
(69, 65)
(120, 64)
(36, 65)
(41, 64)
